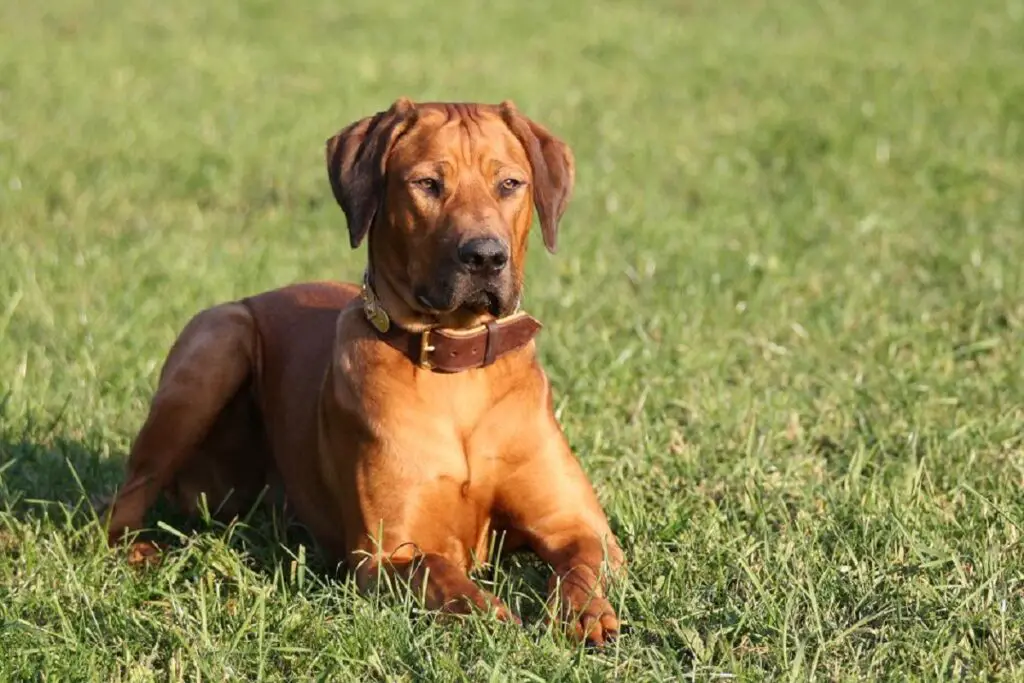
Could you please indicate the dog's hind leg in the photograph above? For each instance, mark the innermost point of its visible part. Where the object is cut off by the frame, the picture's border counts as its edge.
(207, 366)
(231, 465)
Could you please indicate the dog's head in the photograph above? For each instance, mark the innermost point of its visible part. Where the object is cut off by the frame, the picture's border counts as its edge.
(446, 194)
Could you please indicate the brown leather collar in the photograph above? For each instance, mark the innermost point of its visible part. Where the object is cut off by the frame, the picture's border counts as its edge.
(451, 350)
(445, 350)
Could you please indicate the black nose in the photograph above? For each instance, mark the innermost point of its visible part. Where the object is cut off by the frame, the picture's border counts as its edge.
(483, 254)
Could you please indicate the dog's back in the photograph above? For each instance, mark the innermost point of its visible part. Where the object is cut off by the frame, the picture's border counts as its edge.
(295, 326)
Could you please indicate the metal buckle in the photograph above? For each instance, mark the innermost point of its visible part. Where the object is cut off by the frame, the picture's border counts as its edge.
(425, 349)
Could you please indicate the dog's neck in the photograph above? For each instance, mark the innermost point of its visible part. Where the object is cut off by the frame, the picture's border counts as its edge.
(446, 349)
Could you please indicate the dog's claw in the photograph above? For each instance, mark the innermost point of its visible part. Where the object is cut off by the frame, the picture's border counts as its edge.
(601, 631)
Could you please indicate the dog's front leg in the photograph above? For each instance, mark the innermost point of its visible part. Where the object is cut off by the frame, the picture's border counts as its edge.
(436, 580)
(549, 499)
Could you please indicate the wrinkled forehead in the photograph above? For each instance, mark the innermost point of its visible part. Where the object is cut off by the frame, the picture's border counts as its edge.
(466, 136)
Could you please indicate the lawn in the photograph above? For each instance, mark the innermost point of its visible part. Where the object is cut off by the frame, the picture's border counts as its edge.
(785, 325)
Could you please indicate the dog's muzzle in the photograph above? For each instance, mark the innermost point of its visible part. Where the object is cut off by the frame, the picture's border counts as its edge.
(477, 278)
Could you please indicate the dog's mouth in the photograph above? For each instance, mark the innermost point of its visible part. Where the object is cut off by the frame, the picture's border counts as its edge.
(435, 303)
(484, 301)
(478, 301)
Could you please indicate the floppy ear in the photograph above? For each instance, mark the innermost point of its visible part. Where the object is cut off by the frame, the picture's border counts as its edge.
(553, 166)
(356, 161)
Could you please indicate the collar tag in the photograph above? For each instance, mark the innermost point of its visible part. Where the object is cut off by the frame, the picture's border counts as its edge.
(372, 309)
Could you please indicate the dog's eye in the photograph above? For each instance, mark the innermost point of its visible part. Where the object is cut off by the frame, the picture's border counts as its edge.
(431, 186)
(510, 185)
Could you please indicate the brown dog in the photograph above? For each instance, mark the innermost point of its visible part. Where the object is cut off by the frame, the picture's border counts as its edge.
(407, 425)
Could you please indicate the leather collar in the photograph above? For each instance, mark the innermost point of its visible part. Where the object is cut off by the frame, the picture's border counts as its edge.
(450, 350)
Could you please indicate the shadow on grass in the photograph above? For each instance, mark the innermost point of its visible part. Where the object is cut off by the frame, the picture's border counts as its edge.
(66, 483)
(39, 476)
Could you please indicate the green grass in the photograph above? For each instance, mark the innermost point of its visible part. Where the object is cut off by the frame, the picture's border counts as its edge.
(785, 326)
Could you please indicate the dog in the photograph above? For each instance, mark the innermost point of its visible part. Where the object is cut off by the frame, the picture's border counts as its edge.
(406, 419)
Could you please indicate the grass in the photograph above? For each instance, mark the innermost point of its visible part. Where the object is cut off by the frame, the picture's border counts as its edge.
(785, 325)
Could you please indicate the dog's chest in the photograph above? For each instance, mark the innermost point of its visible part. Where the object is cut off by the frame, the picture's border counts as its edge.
(458, 433)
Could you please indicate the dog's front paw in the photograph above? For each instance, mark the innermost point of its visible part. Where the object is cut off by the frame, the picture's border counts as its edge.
(588, 617)
(482, 601)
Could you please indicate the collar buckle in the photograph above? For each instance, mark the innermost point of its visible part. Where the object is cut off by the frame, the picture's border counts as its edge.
(425, 350)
